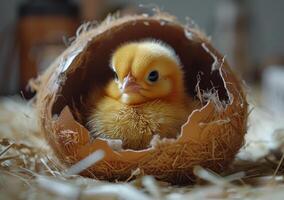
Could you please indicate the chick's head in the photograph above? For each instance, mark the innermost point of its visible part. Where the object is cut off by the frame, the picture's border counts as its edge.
(145, 71)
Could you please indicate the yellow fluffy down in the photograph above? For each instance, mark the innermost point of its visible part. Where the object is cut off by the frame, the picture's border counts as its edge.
(136, 125)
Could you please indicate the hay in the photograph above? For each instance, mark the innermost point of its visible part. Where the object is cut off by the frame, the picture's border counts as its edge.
(29, 170)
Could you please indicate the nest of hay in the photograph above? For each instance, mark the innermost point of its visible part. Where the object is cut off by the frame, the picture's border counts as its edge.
(29, 167)
(211, 137)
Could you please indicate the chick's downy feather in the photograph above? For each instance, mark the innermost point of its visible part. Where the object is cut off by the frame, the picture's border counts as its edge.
(146, 96)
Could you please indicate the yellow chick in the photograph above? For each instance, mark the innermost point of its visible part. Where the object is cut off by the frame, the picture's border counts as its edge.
(146, 97)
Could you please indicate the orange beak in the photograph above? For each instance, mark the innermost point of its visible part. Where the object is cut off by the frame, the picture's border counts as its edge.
(130, 85)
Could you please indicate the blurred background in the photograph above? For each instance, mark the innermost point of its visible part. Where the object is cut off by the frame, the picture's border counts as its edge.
(250, 33)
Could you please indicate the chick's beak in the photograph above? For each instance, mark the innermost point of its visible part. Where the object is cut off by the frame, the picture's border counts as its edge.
(130, 85)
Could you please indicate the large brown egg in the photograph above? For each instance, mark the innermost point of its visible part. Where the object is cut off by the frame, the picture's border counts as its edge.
(211, 137)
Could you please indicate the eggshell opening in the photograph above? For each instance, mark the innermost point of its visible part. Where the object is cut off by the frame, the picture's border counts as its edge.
(210, 138)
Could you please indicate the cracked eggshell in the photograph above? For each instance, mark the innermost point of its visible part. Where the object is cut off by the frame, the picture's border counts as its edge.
(211, 137)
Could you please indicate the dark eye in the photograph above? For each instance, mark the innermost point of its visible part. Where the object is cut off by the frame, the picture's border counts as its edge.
(153, 76)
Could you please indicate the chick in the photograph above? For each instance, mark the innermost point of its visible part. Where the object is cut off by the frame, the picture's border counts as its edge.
(146, 97)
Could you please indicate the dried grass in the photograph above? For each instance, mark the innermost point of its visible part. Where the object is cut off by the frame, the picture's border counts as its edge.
(29, 170)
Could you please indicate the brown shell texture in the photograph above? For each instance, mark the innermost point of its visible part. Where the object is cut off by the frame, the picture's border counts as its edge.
(211, 137)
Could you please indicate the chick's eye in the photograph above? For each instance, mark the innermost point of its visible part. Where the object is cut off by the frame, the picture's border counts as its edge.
(153, 76)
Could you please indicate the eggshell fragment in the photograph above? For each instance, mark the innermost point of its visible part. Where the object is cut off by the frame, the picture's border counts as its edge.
(211, 137)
